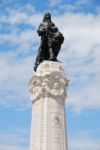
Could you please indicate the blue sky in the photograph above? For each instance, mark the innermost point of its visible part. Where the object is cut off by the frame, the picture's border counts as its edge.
(79, 21)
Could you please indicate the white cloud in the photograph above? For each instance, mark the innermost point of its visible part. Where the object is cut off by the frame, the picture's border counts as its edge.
(14, 139)
(82, 2)
(24, 14)
(54, 2)
(5, 2)
(98, 9)
(11, 147)
(81, 32)
(78, 6)
(84, 142)
(16, 63)
(14, 79)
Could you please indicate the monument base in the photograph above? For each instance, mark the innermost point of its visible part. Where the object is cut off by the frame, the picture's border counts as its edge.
(48, 93)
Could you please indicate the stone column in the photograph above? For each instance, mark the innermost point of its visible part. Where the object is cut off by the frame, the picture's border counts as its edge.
(48, 92)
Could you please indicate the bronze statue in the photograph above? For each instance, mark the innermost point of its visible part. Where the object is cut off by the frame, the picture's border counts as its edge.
(51, 41)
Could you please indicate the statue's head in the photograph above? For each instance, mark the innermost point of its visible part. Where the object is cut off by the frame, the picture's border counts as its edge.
(47, 17)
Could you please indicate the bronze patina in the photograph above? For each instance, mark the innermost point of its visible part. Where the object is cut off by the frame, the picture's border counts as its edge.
(51, 41)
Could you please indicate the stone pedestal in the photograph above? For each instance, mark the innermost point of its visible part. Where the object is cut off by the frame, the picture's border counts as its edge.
(48, 93)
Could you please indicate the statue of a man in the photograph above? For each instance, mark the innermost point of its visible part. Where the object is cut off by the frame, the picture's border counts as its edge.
(51, 40)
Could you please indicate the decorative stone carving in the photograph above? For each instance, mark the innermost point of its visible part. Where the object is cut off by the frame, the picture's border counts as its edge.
(48, 83)
(57, 121)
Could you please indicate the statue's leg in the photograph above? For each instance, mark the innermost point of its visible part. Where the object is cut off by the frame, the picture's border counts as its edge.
(52, 56)
(56, 48)
(39, 58)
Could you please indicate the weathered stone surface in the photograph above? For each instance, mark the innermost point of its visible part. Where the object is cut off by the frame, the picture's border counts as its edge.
(48, 93)
(49, 80)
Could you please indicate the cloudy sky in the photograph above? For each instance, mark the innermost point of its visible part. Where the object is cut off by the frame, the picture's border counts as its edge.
(79, 21)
